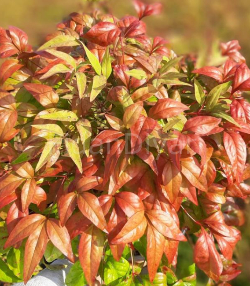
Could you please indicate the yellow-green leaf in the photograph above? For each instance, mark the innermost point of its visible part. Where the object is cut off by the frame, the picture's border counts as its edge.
(73, 151)
(99, 82)
(132, 114)
(93, 60)
(81, 83)
(60, 68)
(199, 92)
(106, 64)
(61, 55)
(138, 74)
(60, 41)
(50, 147)
(61, 115)
(84, 128)
(54, 128)
(215, 94)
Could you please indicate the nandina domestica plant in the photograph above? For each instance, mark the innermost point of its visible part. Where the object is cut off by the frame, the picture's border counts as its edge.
(112, 145)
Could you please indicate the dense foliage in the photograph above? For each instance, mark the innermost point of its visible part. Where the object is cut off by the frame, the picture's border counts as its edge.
(112, 144)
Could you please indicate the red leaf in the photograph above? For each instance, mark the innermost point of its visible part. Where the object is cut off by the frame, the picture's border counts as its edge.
(59, 236)
(136, 28)
(7, 69)
(66, 206)
(8, 184)
(171, 251)
(240, 109)
(44, 94)
(201, 125)
(155, 248)
(166, 108)
(129, 202)
(198, 145)
(106, 203)
(106, 136)
(28, 192)
(148, 158)
(90, 207)
(227, 244)
(40, 198)
(144, 10)
(241, 79)
(91, 251)
(140, 131)
(164, 222)
(14, 215)
(24, 228)
(103, 33)
(236, 150)
(76, 224)
(207, 257)
(175, 147)
(34, 251)
(132, 230)
(213, 72)
(112, 159)
(24, 170)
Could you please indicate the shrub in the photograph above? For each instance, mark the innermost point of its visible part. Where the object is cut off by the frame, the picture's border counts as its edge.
(112, 144)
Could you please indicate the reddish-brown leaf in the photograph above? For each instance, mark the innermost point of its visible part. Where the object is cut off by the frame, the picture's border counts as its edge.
(140, 131)
(132, 114)
(66, 206)
(171, 251)
(106, 136)
(24, 170)
(44, 94)
(7, 69)
(40, 198)
(240, 109)
(8, 119)
(103, 33)
(201, 125)
(148, 158)
(166, 108)
(9, 183)
(155, 248)
(193, 173)
(132, 230)
(59, 236)
(90, 207)
(112, 159)
(24, 228)
(34, 251)
(129, 202)
(90, 252)
(87, 183)
(236, 150)
(76, 224)
(144, 10)
(206, 257)
(213, 72)
(164, 222)
(242, 78)
(171, 180)
(28, 192)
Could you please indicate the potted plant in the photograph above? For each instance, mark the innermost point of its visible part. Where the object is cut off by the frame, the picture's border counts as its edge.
(112, 146)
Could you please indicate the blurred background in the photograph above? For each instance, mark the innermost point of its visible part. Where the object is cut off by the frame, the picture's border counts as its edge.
(190, 26)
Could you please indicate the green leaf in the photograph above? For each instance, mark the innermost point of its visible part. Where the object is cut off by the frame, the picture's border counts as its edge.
(224, 115)
(3, 237)
(215, 93)
(122, 266)
(81, 83)
(66, 57)
(73, 151)
(53, 128)
(110, 273)
(60, 68)
(15, 261)
(169, 64)
(61, 115)
(60, 41)
(99, 82)
(6, 275)
(24, 157)
(84, 128)
(48, 151)
(160, 280)
(76, 277)
(199, 92)
(138, 74)
(141, 245)
(106, 64)
(93, 60)
(51, 252)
